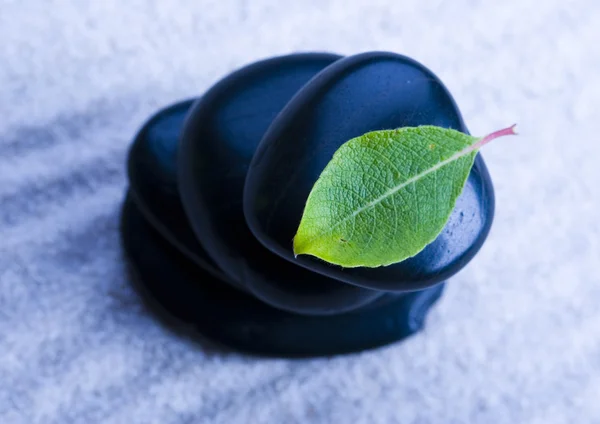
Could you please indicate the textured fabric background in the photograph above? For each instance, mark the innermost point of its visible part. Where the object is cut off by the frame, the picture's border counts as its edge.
(516, 339)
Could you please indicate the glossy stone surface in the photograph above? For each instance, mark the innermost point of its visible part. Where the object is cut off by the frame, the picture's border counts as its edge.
(355, 95)
(199, 173)
(218, 143)
(175, 287)
(152, 168)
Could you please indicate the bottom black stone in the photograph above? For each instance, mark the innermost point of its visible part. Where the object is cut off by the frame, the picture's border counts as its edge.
(215, 310)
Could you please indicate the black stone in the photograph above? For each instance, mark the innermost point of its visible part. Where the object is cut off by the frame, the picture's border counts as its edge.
(207, 307)
(197, 180)
(152, 172)
(355, 95)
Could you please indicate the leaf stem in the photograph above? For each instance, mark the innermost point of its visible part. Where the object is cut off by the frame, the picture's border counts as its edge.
(500, 133)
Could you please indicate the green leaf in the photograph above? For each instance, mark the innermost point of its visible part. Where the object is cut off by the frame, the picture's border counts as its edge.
(386, 195)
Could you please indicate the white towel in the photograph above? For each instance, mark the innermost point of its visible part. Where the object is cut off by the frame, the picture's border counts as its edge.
(515, 339)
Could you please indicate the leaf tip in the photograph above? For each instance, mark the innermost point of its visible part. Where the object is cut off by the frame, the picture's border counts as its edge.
(299, 247)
